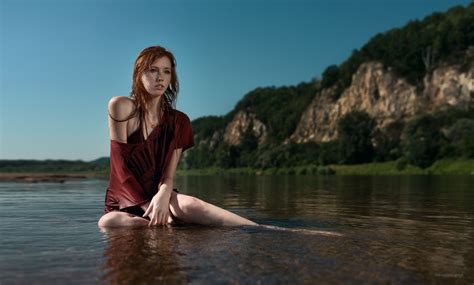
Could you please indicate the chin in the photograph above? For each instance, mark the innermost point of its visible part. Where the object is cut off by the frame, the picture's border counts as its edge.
(156, 94)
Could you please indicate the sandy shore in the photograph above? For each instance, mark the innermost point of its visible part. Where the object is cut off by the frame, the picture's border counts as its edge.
(41, 177)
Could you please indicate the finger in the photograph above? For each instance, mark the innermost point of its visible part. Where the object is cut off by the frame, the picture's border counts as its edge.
(165, 218)
(161, 219)
(154, 220)
(157, 219)
(150, 223)
(147, 211)
(151, 219)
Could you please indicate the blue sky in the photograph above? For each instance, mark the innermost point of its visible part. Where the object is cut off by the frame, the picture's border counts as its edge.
(61, 61)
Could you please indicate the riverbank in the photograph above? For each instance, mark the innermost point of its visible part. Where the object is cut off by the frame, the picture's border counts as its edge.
(55, 177)
(399, 167)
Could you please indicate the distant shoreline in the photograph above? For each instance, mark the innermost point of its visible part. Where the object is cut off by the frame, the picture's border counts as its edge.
(55, 177)
(440, 167)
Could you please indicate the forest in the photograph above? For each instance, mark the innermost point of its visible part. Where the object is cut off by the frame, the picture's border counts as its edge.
(411, 52)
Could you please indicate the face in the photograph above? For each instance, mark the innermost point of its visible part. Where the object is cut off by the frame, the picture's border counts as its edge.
(158, 77)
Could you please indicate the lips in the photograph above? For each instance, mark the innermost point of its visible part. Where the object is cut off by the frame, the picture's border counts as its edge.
(159, 86)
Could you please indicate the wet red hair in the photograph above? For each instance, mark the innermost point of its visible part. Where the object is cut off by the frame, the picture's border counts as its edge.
(142, 64)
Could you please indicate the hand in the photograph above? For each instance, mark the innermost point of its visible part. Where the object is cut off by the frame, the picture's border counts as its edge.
(145, 206)
(158, 208)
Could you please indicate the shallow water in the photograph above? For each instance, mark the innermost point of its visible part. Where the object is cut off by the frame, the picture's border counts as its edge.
(399, 230)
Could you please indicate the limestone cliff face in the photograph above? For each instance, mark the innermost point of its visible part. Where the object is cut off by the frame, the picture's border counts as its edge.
(239, 125)
(213, 141)
(385, 97)
(448, 87)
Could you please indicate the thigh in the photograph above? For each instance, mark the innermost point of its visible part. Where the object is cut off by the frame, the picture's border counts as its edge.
(183, 207)
(136, 211)
(176, 204)
(120, 219)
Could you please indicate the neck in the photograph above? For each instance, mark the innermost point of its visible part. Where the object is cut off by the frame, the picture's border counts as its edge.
(153, 106)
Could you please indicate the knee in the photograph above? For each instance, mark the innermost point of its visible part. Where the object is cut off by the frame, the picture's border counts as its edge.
(193, 205)
(108, 220)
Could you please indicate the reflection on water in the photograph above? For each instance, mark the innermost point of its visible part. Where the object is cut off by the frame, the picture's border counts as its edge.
(141, 256)
(413, 230)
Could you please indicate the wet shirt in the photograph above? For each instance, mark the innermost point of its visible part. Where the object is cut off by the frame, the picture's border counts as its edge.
(136, 167)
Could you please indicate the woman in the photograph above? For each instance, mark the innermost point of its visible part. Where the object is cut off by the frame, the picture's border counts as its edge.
(147, 138)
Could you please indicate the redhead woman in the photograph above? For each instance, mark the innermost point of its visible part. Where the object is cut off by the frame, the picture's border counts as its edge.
(147, 138)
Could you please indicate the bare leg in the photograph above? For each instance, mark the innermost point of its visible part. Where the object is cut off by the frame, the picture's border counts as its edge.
(121, 219)
(192, 210)
(184, 207)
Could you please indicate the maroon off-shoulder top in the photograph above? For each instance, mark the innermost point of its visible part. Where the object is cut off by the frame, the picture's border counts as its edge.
(136, 167)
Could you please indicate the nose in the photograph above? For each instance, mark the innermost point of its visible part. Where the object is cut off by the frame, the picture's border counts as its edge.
(159, 76)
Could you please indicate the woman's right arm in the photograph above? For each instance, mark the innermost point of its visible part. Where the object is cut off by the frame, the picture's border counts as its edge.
(120, 110)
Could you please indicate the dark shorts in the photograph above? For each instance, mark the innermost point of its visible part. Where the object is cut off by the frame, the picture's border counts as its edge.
(138, 211)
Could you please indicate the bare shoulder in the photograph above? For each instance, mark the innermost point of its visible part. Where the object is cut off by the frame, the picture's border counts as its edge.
(121, 107)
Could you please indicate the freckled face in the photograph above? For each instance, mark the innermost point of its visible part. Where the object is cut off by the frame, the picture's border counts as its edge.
(158, 77)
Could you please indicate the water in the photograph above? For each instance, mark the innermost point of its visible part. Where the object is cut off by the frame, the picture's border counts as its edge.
(397, 230)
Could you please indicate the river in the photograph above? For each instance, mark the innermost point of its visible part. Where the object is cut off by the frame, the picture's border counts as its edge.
(335, 229)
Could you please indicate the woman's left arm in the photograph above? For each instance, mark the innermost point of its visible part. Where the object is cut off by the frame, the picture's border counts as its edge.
(158, 209)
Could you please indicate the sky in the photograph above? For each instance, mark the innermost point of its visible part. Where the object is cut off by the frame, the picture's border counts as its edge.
(62, 61)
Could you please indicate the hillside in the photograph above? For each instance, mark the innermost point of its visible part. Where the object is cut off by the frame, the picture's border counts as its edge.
(405, 97)
(422, 70)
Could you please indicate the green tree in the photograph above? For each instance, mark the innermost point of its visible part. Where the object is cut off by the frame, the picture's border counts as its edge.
(328, 153)
(198, 157)
(355, 131)
(249, 142)
(421, 140)
(330, 76)
(227, 156)
(461, 137)
(387, 142)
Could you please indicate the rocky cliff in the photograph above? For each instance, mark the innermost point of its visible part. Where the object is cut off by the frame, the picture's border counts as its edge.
(385, 97)
(241, 123)
(376, 90)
